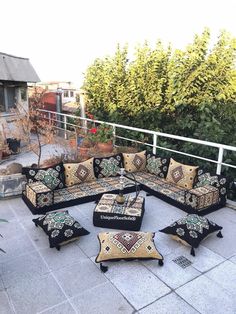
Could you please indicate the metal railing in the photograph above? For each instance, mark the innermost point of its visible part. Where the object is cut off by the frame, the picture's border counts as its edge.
(62, 120)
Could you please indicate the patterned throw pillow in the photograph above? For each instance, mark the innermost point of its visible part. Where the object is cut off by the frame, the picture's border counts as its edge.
(53, 177)
(127, 245)
(135, 162)
(79, 172)
(180, 174)
(191, 230)
(60, 227)
(108, 166)
(157, 165)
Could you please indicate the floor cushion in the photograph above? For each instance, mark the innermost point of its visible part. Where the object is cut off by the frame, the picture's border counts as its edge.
(108, 166)
(76, 173)
(60, 227)
(191, 230)
(135, 162)
(127, 245)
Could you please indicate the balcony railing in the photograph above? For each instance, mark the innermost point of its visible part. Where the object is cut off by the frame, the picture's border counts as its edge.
(62, 122)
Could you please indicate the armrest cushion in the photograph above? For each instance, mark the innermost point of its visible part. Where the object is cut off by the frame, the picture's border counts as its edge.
(39, 194)
(202, 197)
(218, 181)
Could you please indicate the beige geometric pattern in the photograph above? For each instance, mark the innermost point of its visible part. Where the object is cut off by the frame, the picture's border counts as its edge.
(79, 172)
(127, 245)
(135, 162)
(180, 174)
(108, 204)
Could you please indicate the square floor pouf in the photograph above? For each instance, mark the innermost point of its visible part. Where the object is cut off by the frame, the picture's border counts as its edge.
(127, 245)
(128, 216)
(60, 227)
(191, 230)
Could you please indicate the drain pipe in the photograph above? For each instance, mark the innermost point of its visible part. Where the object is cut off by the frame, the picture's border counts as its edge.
(82, 100)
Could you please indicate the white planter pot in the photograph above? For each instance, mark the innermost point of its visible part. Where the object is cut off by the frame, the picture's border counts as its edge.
(11, 185)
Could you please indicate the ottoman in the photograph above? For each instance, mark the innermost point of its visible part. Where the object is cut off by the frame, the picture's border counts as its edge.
(109, 214)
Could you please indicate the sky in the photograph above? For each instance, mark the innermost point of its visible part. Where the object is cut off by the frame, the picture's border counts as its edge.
(63, 37)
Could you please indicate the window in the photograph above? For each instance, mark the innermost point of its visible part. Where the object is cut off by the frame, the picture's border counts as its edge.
(66, 94)
(23, 93)
(2, 102)
(71, 94)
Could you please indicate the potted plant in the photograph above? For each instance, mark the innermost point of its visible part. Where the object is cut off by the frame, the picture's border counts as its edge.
(103, 137)
(85, 146)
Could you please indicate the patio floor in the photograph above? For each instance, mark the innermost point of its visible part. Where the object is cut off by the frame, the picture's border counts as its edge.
(37, 279)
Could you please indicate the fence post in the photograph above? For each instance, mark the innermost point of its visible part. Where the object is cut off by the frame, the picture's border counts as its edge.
(154, 149)
(65, 126)
(220, 160)
(114, 134)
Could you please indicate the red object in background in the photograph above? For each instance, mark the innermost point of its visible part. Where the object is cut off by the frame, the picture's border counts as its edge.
(50, 101)
(93, 130)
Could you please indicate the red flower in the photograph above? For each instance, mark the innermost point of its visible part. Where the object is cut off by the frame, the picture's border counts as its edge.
(93, 130)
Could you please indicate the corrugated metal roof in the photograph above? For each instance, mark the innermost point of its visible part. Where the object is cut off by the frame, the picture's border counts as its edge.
(18, 69)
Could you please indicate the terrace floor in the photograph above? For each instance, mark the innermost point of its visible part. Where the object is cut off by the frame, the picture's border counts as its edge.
(37, 279)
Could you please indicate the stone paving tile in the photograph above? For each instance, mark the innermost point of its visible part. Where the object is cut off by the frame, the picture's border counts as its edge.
(89, 244)
(108, 300)
(165, 244)
(233, 259)
(5, 307)
(6, 212)
(225, 246)
(225, 276)
(12, 229)
(33, 296)
(204, 258)
(169, 304)
(207, 296)
(68, 255)
(28, 266)
(64, 308)
(172, 274)
(19, 208)
(16, 246)
(139, 286)
(79, 277)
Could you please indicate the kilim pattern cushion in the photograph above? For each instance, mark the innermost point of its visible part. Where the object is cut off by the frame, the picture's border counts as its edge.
(108, 166)
(81, 190)
(76, 173)
(218, 181)
(157, 165)
(127, 216)
(180, 174)
(53, 177)
(60, 227)
(202, 197)
(192, 229)
(161, 185)
(135, 162)
(127, 245)
(39, 194)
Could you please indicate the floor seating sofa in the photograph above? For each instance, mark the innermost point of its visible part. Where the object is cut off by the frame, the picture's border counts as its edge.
(184, 186)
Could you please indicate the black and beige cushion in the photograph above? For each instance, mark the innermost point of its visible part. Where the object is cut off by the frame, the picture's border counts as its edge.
(76, 173)
(60, 227)
(135, 162)
(39, 194)
(108, 166)
(53, 177)
(157, 165)
(191, 230)
(110, 214)
(180, 174)
(127, 245)
(202, 197)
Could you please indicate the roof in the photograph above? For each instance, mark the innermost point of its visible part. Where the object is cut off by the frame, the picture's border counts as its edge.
(18, 69)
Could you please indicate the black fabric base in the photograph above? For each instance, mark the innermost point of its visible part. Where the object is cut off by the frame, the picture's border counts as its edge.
(118, 221)
(85, 199)
(188, 209)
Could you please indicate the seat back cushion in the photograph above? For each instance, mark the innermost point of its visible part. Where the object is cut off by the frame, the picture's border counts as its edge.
(157, 165)
(108, 166)
(76, 173)
(135, 162)
(180, 174)
(53, 177)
